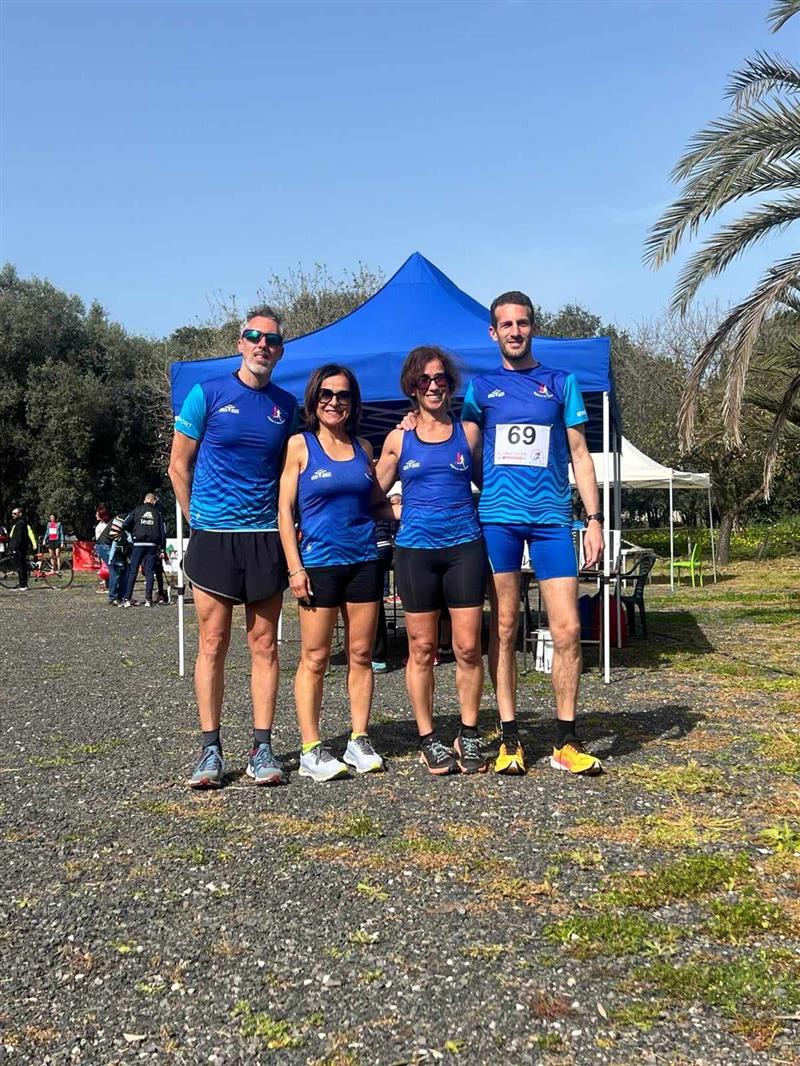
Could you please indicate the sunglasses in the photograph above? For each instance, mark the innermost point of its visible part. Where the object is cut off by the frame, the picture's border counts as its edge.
(253, 336)
(328, 395)
(424, 381)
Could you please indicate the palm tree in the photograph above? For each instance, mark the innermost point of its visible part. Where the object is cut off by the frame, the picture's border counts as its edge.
(753, 150)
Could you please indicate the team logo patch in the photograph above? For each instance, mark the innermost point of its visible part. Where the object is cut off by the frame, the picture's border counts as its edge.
(229, 409)
(277, 416)
(494, 394)
(320, 473)
(411, 464)
(543, 392)
(460, 463)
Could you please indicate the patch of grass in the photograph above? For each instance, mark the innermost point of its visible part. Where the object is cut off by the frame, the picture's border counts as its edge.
(358, 826)
(689, 878)
(367, 977)
(638, 1015)
(487, 951)
(736, 922)
(419, 843)
(372, 892)
(676, 827)
(274, 1033)
(586, 859)
(690, 778)
(611, 934)
(783, 748)
(767, 981)
(549, 1006)
(549, 1042)
(69, 755)
(361, 936)
(759, 1033)
(518, 889)
(782, 838)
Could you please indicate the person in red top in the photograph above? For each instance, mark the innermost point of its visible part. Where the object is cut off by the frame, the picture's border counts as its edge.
(53, 540)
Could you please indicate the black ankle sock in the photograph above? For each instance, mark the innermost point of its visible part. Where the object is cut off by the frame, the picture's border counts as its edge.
(468, 730)
(211, 736)
(509, 730)
(427, 738)
(563, 731)
(262, 736)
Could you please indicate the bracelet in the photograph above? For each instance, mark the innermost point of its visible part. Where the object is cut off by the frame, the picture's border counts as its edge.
(299, 570)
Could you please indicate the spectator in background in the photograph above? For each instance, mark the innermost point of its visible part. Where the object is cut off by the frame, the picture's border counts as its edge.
(146, 526)
(21, 541)
(101, 549)
(53, 540)
(114, 544)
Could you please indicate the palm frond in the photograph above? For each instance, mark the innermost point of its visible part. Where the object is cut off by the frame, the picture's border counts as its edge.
(762, 74)
(778, 426)
(780, 13)
(729, 242)
(740, 330)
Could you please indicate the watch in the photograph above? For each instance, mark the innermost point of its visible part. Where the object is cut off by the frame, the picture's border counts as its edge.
(598, 517)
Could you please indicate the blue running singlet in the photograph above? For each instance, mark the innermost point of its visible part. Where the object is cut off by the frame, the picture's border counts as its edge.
(438, 510)
(242, 433)
(524, 415)
(333, 503)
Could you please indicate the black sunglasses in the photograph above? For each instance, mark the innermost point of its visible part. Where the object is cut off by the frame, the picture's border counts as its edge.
(253, 336)
(326, 395)
(424, 381)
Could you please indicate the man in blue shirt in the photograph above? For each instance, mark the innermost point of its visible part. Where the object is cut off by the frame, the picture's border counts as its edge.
(532, 421)
(230, 435)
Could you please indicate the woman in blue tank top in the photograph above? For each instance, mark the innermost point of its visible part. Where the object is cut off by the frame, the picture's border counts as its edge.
(329, 488)
(440, 559)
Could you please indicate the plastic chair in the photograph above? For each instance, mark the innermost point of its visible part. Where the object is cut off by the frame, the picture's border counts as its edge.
(640, 572)
(693, 565)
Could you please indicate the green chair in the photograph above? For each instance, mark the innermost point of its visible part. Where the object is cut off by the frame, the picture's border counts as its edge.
(693, 565)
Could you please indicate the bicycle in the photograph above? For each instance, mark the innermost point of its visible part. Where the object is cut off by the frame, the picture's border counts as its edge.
(41, 569)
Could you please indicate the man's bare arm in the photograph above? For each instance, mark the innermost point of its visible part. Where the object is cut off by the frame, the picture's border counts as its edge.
(181, 468)
(586, 482)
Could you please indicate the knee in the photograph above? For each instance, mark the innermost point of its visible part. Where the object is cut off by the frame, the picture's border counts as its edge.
(360, 654)
(566, 637)
(214, 644)
(263, 647)
(507, 631)
(315, 660)
(467, 654)
(422, 652)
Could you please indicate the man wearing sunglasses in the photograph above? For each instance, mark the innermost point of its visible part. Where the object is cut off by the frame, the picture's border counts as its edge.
(227, 450)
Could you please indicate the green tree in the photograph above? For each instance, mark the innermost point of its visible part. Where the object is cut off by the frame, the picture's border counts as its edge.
(751, 152)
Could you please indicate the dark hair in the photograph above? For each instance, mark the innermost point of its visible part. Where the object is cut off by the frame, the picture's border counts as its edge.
(102, 512)
(311, 396)
(415, 363)
(513, 297)
(261, 311)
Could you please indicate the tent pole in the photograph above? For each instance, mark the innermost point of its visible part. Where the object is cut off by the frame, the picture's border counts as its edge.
(607, 551)
(711, 530)
(179, 563)
(671, 539)
(617, 524)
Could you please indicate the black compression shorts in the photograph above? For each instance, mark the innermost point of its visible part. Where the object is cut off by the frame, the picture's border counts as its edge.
(243, 567)
(431, 578)
(350, 583)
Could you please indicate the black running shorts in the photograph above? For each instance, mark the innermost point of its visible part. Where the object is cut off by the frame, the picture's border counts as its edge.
(431, 578)
(243, 567)
(352, 583)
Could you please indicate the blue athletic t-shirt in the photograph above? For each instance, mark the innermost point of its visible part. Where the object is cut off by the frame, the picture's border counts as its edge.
(333, 504)
(524, 415)
(242, 433)
(438, 509)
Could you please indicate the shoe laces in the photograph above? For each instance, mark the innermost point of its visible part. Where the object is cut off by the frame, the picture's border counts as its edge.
(470, 747)
(212, 756)
(364, 745)
(263, 755)
(511, 744)
(439, 751)
(322, 754)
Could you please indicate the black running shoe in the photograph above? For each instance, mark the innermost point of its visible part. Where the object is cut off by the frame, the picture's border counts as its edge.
(469, 756)
(437, 757)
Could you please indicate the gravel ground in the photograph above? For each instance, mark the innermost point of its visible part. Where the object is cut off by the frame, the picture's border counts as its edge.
(392, 918)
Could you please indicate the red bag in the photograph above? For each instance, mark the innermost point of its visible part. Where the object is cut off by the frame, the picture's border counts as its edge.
(102, 573)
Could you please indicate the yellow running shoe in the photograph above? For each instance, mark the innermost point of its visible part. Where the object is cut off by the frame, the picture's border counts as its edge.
(575, 759)
(511, 758)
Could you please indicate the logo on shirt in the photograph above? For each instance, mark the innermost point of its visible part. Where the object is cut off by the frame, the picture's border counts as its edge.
(320, 473)
(494, 394)
(460, 463)
(411, 464)
(581, 414)
(543, 392)
(229, 409)
(277, 416)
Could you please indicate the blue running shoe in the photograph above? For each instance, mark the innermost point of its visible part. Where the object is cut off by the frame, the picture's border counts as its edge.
(210, 771)
(264, 768)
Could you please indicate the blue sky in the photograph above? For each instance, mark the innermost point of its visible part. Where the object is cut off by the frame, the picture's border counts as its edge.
(157, 153)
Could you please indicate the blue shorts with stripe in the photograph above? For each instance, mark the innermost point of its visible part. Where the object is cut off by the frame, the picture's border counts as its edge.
(552, 550)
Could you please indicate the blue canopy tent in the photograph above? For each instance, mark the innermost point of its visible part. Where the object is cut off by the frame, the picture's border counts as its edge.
(421, 305)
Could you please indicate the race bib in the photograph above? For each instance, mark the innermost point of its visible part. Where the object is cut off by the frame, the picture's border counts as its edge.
(521, 444)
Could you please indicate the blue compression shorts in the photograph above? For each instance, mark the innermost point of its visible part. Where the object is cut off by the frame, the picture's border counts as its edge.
(551, 548)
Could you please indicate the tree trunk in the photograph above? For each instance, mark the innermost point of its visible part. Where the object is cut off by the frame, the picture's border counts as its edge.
(724, 538)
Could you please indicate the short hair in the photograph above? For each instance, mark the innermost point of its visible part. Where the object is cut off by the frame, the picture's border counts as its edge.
(415, 365)
(102, 512)
(151, 498)
(261, 311)
(513, 297)
(311, 396)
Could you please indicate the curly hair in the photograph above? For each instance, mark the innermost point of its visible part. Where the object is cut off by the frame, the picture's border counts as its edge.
(416, 361)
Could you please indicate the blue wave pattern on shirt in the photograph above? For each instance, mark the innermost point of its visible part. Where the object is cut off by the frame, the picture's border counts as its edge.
(242, 434)
(438, 509)
(538, 396)
(333, 502)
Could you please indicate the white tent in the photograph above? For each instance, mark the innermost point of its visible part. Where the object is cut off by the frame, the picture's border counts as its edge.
(639, 471)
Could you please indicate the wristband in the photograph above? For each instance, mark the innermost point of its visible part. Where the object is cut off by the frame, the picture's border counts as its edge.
(299, 570)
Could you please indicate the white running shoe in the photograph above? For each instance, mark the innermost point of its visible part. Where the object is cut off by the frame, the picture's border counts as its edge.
(361, 755)
(321, 764)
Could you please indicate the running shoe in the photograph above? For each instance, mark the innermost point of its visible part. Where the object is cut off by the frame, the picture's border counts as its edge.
(437, 758)
(469, 756)
(127, 603)
(361, 755)
(210, 771)
(147, 603)
(321, 764)
(575, 759)
(511, 758)
(263, 767)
